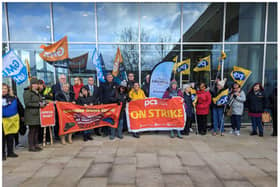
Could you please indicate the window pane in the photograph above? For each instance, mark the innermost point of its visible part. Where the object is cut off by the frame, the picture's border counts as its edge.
(245, 22)
(129, 53)
(272, 22)
(270, 69)
(29, 21)
(4, 38)
(246, 56)
(76, 20)
(202, 22)
(117, 22)
(160, 22)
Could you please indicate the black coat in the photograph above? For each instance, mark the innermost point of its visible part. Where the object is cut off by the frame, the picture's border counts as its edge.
(188, 104)
(61, 97)
(130, 84)
(256, 102)
(123, 98)
(108, 92)
(95, 97)
(57, 88)
(146, 88)
(84, 100)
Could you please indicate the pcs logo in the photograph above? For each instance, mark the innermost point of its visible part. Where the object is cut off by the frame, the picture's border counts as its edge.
(223, 100)
(183, 67)
(202, 64)
(238, 75)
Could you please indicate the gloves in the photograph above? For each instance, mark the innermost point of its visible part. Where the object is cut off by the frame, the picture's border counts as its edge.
(234, 96)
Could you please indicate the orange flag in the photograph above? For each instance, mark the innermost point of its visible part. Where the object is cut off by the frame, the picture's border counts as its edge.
(117, 61)
(28, 69)
(56, 51)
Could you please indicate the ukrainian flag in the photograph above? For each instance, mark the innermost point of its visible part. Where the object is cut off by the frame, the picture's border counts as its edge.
(183, 67)
(11, 124)
(240, 75)
(222, 98)
(203, 65)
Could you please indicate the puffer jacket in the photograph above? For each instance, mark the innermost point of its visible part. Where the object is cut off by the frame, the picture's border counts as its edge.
(203, 102)
(238, 104)
(256, 102)
(32, 107)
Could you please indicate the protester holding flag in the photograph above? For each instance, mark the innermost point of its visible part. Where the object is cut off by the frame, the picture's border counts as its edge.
(173, 91)
(188, 107)
(12, 115)
(146, 85)
(218, 107)
(108, 95)
(256, 103)
(78, 84)
(202, 107)
(66, 96)
(237, 99)
(84, 99)
(33, 101)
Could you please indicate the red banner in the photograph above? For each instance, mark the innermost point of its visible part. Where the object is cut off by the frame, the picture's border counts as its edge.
(155, 114)
(73, 118)
(47, 115)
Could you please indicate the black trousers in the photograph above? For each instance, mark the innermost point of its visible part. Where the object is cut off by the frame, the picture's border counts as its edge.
(33, 136)
(188, 125)
(9, 140)
(202, 123)
(41, 134)
(274, 121)
(56, 127)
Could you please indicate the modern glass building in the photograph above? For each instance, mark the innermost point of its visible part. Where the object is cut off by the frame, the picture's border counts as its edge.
(146, 33)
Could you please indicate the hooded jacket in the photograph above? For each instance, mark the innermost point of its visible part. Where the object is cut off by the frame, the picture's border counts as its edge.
(203, 102)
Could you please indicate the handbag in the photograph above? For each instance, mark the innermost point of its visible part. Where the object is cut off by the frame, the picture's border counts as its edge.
(266, 118)
(228, 110)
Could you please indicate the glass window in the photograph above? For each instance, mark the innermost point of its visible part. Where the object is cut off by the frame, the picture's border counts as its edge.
(272, 22)
(76, 20)
(270, 81)
(29, 21)
(160, 22)
(245, 22)
(117, 22)
(4, 38)
(246, 56)
(202, 22)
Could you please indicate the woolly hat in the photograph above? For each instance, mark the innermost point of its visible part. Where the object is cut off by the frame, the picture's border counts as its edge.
(186, 86)
(33, 81)
(222, 82)
(123, 83)
(173, 82)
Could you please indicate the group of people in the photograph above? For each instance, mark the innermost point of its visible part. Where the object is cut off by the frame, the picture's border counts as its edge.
(37, 95)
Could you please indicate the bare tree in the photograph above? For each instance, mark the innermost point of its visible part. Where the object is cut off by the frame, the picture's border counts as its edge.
(163, 49)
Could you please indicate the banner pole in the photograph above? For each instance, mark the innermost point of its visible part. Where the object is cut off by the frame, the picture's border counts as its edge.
(51, 137)
(44, 137)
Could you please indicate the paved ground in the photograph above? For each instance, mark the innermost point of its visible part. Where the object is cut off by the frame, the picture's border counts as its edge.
(151, 161)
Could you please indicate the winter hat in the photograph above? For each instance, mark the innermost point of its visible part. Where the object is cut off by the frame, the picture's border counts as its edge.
(123, 83)
(222, 82)
(173, 82)
(185, 86)
(33, 80)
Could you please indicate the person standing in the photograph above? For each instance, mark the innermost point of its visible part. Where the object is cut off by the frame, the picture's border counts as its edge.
(202, 108)
(256, 103)
(188, 108)
(131, 81)
(78, 84)
(12, 114)
(33, 102)
(237, 99)
(95, 97)
(108, 96)
(66, 96)
(218, 109)
(146, 85)
(173, 91)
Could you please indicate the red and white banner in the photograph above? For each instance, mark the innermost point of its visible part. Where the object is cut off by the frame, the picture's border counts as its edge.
(74, 118)
(47, 115)
(155, 114)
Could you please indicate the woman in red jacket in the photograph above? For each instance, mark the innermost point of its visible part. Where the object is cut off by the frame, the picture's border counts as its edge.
(202, 108)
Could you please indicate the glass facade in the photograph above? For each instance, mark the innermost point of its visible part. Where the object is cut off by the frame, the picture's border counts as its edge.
(146, 33)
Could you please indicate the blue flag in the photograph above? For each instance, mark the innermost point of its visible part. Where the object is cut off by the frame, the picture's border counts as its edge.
(97, 60)
(13, 67)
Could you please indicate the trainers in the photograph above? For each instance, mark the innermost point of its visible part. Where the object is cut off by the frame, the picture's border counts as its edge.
(191, 130)
(237, 133)
(231, 131)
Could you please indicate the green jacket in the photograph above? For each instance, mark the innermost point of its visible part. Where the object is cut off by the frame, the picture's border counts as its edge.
(32, 107)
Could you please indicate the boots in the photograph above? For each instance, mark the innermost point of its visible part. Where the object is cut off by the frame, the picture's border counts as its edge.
(62, 138)
(70, 138)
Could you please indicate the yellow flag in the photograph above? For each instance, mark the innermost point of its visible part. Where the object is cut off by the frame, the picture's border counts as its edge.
(183, 67)
(193, 96)
(203, 65)
(240, 75)
(222, 98)
(175, 58)
(11, 124)
(223, 55)
(28, 69)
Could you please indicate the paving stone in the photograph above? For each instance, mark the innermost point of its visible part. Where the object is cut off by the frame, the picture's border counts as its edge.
(101, 158)
(86, 155)
(171, 165)
(147, 160)
(99, 170)
(90, 149)
(149, 177)
(12, 180)
(59, 160)
(48, 171)
(238, 183)
(200, 146)
(203, 176)
(263, 181)
(177, 181)
(263, 163)
(166, 152)
(126, 151)
(37, 182)
(123, 174)
(93, 182)
(79, 162)
(125, 160)
(190, 159)
(121, 185)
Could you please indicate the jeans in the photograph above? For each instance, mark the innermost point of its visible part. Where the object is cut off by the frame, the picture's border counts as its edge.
(218, 119)
(257, 122)
(119, 129)
(236, 122)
